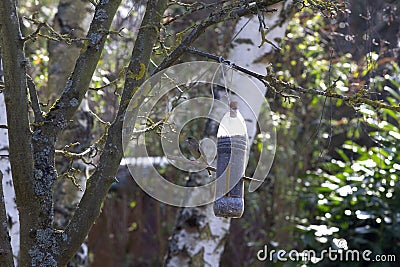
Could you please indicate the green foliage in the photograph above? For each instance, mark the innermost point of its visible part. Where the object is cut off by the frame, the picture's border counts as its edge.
(356, 197)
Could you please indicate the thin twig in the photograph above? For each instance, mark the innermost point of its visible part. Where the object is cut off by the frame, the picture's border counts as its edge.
(150, 128)
(98, 118)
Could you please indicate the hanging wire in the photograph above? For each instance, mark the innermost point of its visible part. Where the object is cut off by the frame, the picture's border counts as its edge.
(236, 35)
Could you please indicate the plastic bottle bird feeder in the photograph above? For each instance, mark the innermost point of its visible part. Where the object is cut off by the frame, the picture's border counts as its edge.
(232, 142)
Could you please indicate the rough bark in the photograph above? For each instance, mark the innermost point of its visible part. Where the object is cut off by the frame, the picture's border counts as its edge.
(36, 176)
(54, 122)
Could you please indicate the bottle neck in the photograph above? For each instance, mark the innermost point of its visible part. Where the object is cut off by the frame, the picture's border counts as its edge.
(233, 106)
(233, 113)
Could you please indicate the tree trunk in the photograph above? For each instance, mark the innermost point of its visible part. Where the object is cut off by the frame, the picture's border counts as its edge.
(199, 237)
(7, 185)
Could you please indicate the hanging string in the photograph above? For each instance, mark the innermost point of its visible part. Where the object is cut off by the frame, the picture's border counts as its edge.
(227, 92)
(222, 69)
(224, 64)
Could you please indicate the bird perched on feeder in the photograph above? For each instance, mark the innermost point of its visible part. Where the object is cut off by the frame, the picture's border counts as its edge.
(196, 151)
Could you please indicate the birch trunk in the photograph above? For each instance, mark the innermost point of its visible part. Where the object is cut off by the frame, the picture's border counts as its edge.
(8, 188)
(199, 237)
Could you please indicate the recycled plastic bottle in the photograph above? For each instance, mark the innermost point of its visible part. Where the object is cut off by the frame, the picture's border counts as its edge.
(231, 162)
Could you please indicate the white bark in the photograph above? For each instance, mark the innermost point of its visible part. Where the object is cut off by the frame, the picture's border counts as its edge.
(8, 188)
(246, 53)
(198, 244)
(202, 243)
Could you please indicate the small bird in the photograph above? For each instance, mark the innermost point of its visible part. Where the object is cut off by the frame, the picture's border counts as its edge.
(196, 151)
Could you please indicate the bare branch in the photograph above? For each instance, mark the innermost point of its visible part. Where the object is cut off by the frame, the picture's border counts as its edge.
(93, 2)
(33, 36)
(152, 125)
(90, 152)
(52, 33)
(34, 100)
(98, 118)
(78, 83)
(352, 101)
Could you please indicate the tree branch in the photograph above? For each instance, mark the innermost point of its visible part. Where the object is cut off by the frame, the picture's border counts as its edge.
(232, 11)
(273, 83)
(78, 83)
(104, 175)
(34, 100)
